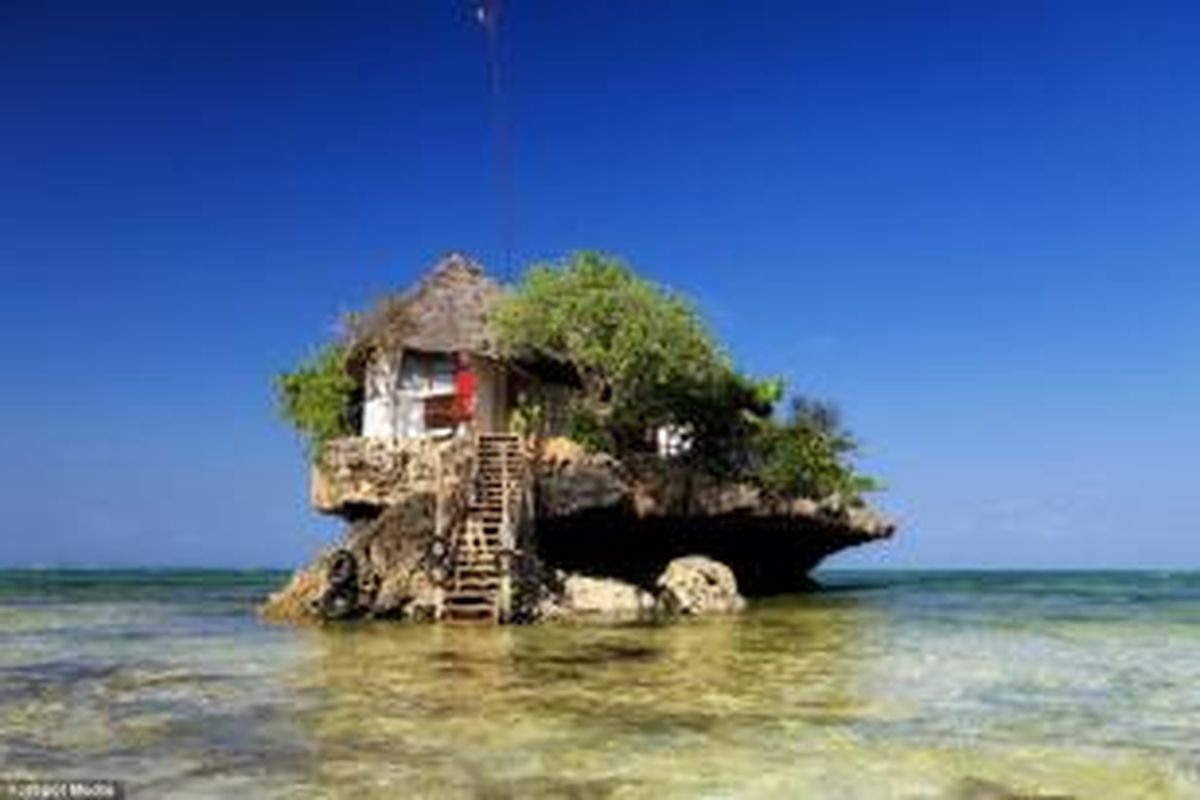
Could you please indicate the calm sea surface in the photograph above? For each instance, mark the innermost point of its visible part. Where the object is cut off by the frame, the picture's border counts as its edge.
(887, 685)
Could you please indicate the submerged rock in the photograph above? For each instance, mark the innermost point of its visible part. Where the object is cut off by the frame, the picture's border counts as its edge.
(696, 585)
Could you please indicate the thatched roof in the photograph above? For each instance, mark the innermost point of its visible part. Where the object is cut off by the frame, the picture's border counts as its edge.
(446, 312)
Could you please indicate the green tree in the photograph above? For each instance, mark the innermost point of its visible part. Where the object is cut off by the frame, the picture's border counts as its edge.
(809, 455)
(637, 347)
(318, 397)
(645, 359)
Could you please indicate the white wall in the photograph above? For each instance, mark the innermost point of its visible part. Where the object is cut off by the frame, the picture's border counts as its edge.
(395, 391)
(379, 398)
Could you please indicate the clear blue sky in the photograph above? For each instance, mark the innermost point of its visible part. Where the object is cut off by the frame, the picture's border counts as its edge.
(975, 225)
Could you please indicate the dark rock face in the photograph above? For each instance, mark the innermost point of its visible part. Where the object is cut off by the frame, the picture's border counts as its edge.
(566, 488)
(597, 517)
(339, 599)
(389, 567)
(767, 556)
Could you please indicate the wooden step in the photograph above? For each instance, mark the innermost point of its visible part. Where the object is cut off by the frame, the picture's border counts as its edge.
(479, 559)
(489, 585)
(470, 606)
(461, 619)
(479, 567)
(473, 597)
(483, 554)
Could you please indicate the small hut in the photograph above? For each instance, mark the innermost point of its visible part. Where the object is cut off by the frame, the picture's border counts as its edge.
(430, 365)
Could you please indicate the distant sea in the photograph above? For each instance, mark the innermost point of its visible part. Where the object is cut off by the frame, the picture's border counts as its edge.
(956, 685)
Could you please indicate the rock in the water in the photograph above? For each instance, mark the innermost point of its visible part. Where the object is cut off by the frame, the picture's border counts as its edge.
(698, 585)
(583, 597)
(392, 566)
(299, 600)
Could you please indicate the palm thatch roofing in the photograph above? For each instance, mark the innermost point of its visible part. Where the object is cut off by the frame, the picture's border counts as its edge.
(446, 312)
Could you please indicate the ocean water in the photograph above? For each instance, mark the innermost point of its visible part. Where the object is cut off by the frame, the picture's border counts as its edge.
(887, 685)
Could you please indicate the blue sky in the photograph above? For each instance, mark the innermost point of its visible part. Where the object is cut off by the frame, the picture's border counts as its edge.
(975, 225)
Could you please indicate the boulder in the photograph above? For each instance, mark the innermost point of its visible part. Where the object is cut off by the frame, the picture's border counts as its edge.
(607, 599)
(696, 585)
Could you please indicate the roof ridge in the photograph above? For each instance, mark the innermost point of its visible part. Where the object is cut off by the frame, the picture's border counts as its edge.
(456, 259)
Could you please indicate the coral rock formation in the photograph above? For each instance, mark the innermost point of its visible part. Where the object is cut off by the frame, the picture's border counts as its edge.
(695, 585)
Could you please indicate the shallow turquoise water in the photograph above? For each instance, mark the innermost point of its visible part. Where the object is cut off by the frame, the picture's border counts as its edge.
(887, 685)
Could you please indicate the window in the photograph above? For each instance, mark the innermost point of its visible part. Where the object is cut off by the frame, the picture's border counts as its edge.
(427, 373)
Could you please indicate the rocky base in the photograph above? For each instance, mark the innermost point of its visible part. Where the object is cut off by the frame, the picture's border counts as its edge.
(600, 516)
(345, 583)
(612, 542)
(390, 567)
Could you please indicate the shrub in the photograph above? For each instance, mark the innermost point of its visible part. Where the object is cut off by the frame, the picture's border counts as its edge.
(634, 344)
(808, 455)
(646, 359)
(318, 397)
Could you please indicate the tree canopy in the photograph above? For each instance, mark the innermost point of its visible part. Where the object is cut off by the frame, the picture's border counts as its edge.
(317, 397)
(635, 345)
(646, 359)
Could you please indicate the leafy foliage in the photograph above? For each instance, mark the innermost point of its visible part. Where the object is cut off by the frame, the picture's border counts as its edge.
(633, 343)
(317, 398)
(646, 359)
(808, 455)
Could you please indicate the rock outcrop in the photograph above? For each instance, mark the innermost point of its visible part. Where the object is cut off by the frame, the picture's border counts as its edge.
(391, 567)
(601, 516)
(609, 541)
(359, 475)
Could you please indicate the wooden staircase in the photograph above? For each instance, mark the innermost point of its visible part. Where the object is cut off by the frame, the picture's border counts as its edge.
(480, 585)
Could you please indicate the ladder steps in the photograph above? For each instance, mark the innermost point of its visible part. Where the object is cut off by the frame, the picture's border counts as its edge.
(484, 585)
(478, 569)
(471, 599)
